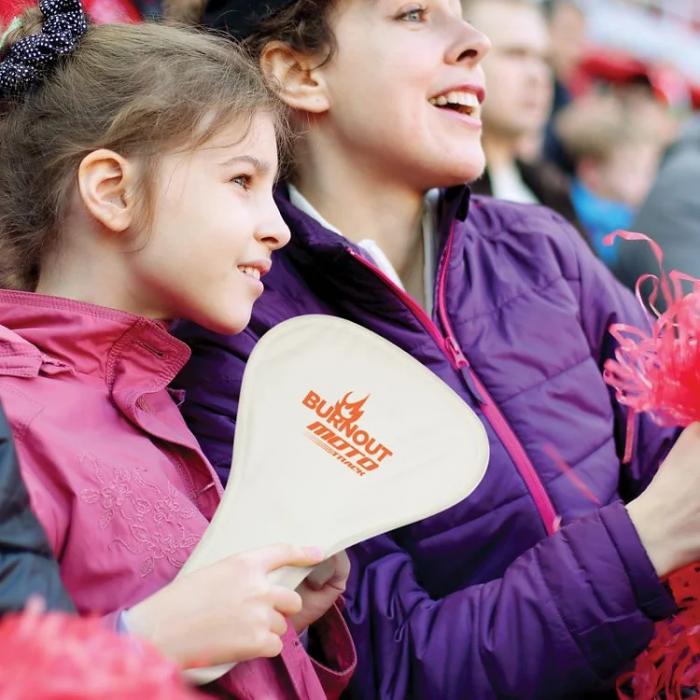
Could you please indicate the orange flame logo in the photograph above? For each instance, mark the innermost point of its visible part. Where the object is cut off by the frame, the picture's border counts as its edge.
(349, 412)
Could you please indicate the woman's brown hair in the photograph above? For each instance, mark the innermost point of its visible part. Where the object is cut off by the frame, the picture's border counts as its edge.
(139, 90)
(303, 25)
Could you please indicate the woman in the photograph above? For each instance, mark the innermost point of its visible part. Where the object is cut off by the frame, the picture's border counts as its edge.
(541, 584)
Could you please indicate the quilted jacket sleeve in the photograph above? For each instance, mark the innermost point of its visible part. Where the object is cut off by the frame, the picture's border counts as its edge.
(565, 616)
(27, 565)
(604, 301)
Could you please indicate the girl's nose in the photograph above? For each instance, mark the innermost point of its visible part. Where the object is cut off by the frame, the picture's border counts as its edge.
(273, 231)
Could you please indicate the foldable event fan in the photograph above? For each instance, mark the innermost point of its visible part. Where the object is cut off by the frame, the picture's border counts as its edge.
(340, 436)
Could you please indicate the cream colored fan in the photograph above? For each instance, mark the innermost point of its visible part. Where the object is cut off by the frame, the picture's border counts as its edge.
(340, 436)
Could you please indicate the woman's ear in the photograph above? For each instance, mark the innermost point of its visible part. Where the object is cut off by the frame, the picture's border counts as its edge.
(106, 182)
(297, 78)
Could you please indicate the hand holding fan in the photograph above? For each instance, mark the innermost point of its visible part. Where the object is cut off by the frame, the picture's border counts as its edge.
(341, 436)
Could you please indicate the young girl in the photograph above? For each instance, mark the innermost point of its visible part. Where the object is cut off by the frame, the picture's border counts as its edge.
(136, 173)
(543, 584)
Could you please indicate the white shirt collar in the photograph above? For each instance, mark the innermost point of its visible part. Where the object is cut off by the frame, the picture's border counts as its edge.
(377, 254)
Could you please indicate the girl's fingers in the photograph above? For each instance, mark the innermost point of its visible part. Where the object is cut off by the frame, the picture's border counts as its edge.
(271, 646)
(320, 576)
(278, 623)
(285, 601)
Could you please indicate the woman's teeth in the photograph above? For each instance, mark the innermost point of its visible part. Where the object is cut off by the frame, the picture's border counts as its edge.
(465, 102)
(252, 271)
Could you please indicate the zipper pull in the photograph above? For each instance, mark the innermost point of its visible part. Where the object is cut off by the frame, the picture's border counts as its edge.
(461, 363)
(455, 352)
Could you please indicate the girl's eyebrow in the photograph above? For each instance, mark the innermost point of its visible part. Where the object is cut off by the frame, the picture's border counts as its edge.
(263, 167)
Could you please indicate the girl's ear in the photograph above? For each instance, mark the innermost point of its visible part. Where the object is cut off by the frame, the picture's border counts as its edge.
(106, 182)
(297, 78)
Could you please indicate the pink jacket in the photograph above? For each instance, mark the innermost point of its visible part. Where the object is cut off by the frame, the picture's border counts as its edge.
(115, 476)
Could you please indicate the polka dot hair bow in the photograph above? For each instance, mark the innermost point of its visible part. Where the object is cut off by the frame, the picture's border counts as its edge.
(31, 58)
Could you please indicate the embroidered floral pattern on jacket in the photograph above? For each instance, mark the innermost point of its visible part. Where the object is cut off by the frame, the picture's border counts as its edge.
(156, 521)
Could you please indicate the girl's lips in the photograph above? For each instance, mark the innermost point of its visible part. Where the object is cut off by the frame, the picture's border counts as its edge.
(262, 266)
(255, 283)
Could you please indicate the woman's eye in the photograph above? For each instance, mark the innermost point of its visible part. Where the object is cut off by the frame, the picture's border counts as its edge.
(415, 14)
(243, 181)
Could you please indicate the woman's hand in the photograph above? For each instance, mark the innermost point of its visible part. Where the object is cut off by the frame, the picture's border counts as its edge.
(224, 613)
(320, 589)
(667, 514)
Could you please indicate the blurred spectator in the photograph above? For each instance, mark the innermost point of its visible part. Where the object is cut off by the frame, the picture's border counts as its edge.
(185, 11)
(616, 156)
(27, 566)
(568, 33)
(149, 9)
(519, 97)
(100, 11)
(670, 214)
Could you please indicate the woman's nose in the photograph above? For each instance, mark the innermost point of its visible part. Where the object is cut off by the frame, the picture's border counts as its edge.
(471, 46)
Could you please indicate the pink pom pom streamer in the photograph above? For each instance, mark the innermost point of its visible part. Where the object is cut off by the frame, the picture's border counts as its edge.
(657, 371)
(669, 669)
(55, 656)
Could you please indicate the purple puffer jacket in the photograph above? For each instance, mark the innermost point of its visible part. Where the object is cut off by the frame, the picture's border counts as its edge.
(488, 599)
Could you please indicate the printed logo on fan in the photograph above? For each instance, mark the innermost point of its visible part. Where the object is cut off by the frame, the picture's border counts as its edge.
(339, 433)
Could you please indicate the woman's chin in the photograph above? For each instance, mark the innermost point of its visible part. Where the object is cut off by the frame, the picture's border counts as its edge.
(458, 171)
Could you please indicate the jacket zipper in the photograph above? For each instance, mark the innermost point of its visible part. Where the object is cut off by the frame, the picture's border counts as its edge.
(458, 361)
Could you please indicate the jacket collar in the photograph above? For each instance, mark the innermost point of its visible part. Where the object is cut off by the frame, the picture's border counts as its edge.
(310, 234)
(50, 335)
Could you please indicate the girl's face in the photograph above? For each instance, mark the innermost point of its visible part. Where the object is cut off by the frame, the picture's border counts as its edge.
(405, 89)
(214, 229)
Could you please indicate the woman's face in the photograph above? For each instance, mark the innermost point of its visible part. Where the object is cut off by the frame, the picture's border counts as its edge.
(405, 90)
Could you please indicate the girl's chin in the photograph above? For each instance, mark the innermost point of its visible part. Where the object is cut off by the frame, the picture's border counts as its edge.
(231, 325)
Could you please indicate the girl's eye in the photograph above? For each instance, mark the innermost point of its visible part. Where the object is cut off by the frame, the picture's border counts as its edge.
(415, 14)
(243, 181)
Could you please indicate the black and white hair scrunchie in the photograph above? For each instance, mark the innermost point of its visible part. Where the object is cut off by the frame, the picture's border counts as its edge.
(30, 59)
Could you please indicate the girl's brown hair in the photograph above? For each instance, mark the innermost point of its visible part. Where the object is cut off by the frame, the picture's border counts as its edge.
(140, 90)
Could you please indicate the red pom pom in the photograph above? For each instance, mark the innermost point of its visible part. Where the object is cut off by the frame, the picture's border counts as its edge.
(657, 370)
(111, 11)
(669, 669)
(55, 656)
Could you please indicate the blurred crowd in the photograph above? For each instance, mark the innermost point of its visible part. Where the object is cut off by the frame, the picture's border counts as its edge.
(605, 139)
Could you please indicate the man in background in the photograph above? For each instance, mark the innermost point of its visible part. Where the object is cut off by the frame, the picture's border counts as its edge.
(519, 86)
(568, 30)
